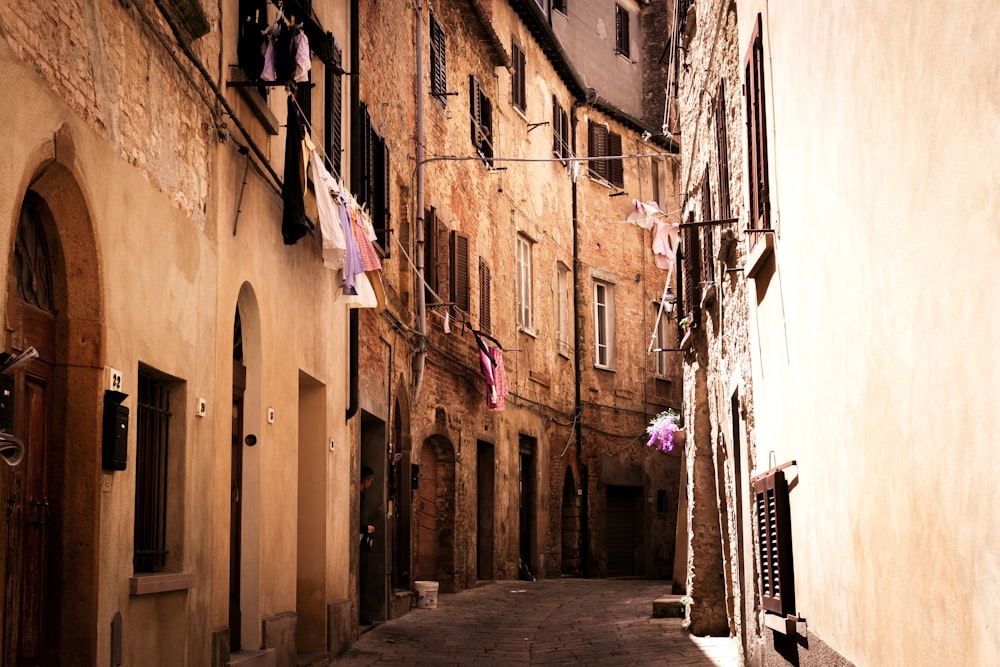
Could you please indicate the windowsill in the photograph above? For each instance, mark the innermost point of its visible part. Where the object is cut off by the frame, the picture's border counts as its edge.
(761, 251)
(257, 103)
(150, 583)
(785, 625)
(609, 369)
(527, 331)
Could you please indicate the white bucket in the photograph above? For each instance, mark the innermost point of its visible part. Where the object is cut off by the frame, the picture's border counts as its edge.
(427, 594)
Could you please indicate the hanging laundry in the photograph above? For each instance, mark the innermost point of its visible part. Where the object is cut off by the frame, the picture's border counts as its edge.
(301, 57)
(268, 73)
(330, 229)
(294, 222)
(368, 255)
(352, 256)
(666, 236)
(500, 381)
(486, 364)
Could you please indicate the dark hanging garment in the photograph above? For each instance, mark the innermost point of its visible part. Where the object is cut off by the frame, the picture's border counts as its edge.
(284, 53)
(294, 223)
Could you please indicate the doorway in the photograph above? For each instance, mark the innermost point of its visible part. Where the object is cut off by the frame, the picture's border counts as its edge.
(373, 591)
(570, 536)
(527, 447)
(485, 510)
(622, 535)
(236, 487)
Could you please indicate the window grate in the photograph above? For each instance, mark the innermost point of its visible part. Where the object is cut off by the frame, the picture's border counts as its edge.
(152, 437)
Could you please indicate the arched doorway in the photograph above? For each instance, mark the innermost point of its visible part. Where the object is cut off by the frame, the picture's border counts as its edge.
(401, 489)
(434, 512)
(50, 556)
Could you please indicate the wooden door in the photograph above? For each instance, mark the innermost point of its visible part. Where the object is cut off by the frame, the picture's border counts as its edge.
(426, 512)
(236, 507)
(30, 504)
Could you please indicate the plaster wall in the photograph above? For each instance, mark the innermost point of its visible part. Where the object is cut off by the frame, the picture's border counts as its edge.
(874, 334)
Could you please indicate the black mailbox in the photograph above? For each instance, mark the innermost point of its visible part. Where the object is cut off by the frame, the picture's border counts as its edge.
(6, 403)
(115, 431)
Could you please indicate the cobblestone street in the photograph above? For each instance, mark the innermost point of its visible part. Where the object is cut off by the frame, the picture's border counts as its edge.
(604, 622)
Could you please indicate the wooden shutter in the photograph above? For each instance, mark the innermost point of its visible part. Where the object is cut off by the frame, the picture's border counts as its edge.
(621, 30)
(616, 171)
(774, 547)
(485, 289)
(439, 76)
(460, 270)
(756, 134)
(475, 113)
(518, 96)
(486, 122)
(335, 105)
(431, 252)
(364, 189)
(692, 272)
(556, 128)
(383, 224)
(707, 237)
(597, 140)
(722, 151)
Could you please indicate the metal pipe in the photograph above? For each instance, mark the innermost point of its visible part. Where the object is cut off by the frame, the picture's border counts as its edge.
(356, 152)
(420, 358)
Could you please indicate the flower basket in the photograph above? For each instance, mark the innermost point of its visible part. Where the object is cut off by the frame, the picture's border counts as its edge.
(664, 432)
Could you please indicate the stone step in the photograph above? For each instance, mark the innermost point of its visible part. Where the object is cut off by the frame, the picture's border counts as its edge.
(264, 658)
(668, 606)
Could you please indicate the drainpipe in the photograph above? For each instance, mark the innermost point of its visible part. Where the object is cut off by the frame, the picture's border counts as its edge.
(577, 348)
(356, 153)
(420, 357)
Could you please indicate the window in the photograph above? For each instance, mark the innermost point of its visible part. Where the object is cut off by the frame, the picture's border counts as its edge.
(485, 297)
(689, 275)
(374, 190)
(655, 175)
(562, 307)
(604, 325)
(524, 313)
(481, 111)
(459, 283)
(253, 22)
(621, 31)
(707, 273)
(604, 143)
(154, 458)
(333, 143)
(517, 80)
(722, 151)
(431, 255)
(439, 76)
(560, 5)
(774, 544)
(560, 130)
(757, 189)
(662, 341)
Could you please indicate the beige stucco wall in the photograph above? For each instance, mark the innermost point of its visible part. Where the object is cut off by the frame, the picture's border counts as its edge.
(875, 366)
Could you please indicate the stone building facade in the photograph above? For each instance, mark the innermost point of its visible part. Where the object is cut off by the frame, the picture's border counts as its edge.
(807, 483)
(147, 188)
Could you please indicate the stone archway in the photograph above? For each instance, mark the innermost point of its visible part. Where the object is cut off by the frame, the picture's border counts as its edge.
(53, 620)
(434, 513)
(401, 488)
(570, 526)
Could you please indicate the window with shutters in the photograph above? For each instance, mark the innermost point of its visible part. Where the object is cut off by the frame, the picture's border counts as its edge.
(621, 31)
(560, 130)
(481, 112)
(158, 458)
(604, 325)
(774, 542)
(707, 274)
(485, 297)
(560, 5)
(662, 342)
(563, 297)
(459, 279)
(722, 152)
(518, 96)
(333, 143)
(757, 187)
(431, 255)
(604, 143)
(374, 190)
(689, 275)
(439, 76)
(525, 318)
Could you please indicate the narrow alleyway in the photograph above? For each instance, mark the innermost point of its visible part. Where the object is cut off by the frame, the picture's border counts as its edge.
(602, 622)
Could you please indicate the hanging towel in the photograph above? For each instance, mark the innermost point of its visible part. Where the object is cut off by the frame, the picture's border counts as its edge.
(294, 222)
(500, 381)
(330, 229)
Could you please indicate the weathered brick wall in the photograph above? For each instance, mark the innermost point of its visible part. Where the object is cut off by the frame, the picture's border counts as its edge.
(721, 356)
(108, 65)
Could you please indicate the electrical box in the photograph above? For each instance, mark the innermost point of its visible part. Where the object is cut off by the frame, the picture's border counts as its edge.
(115, 436)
